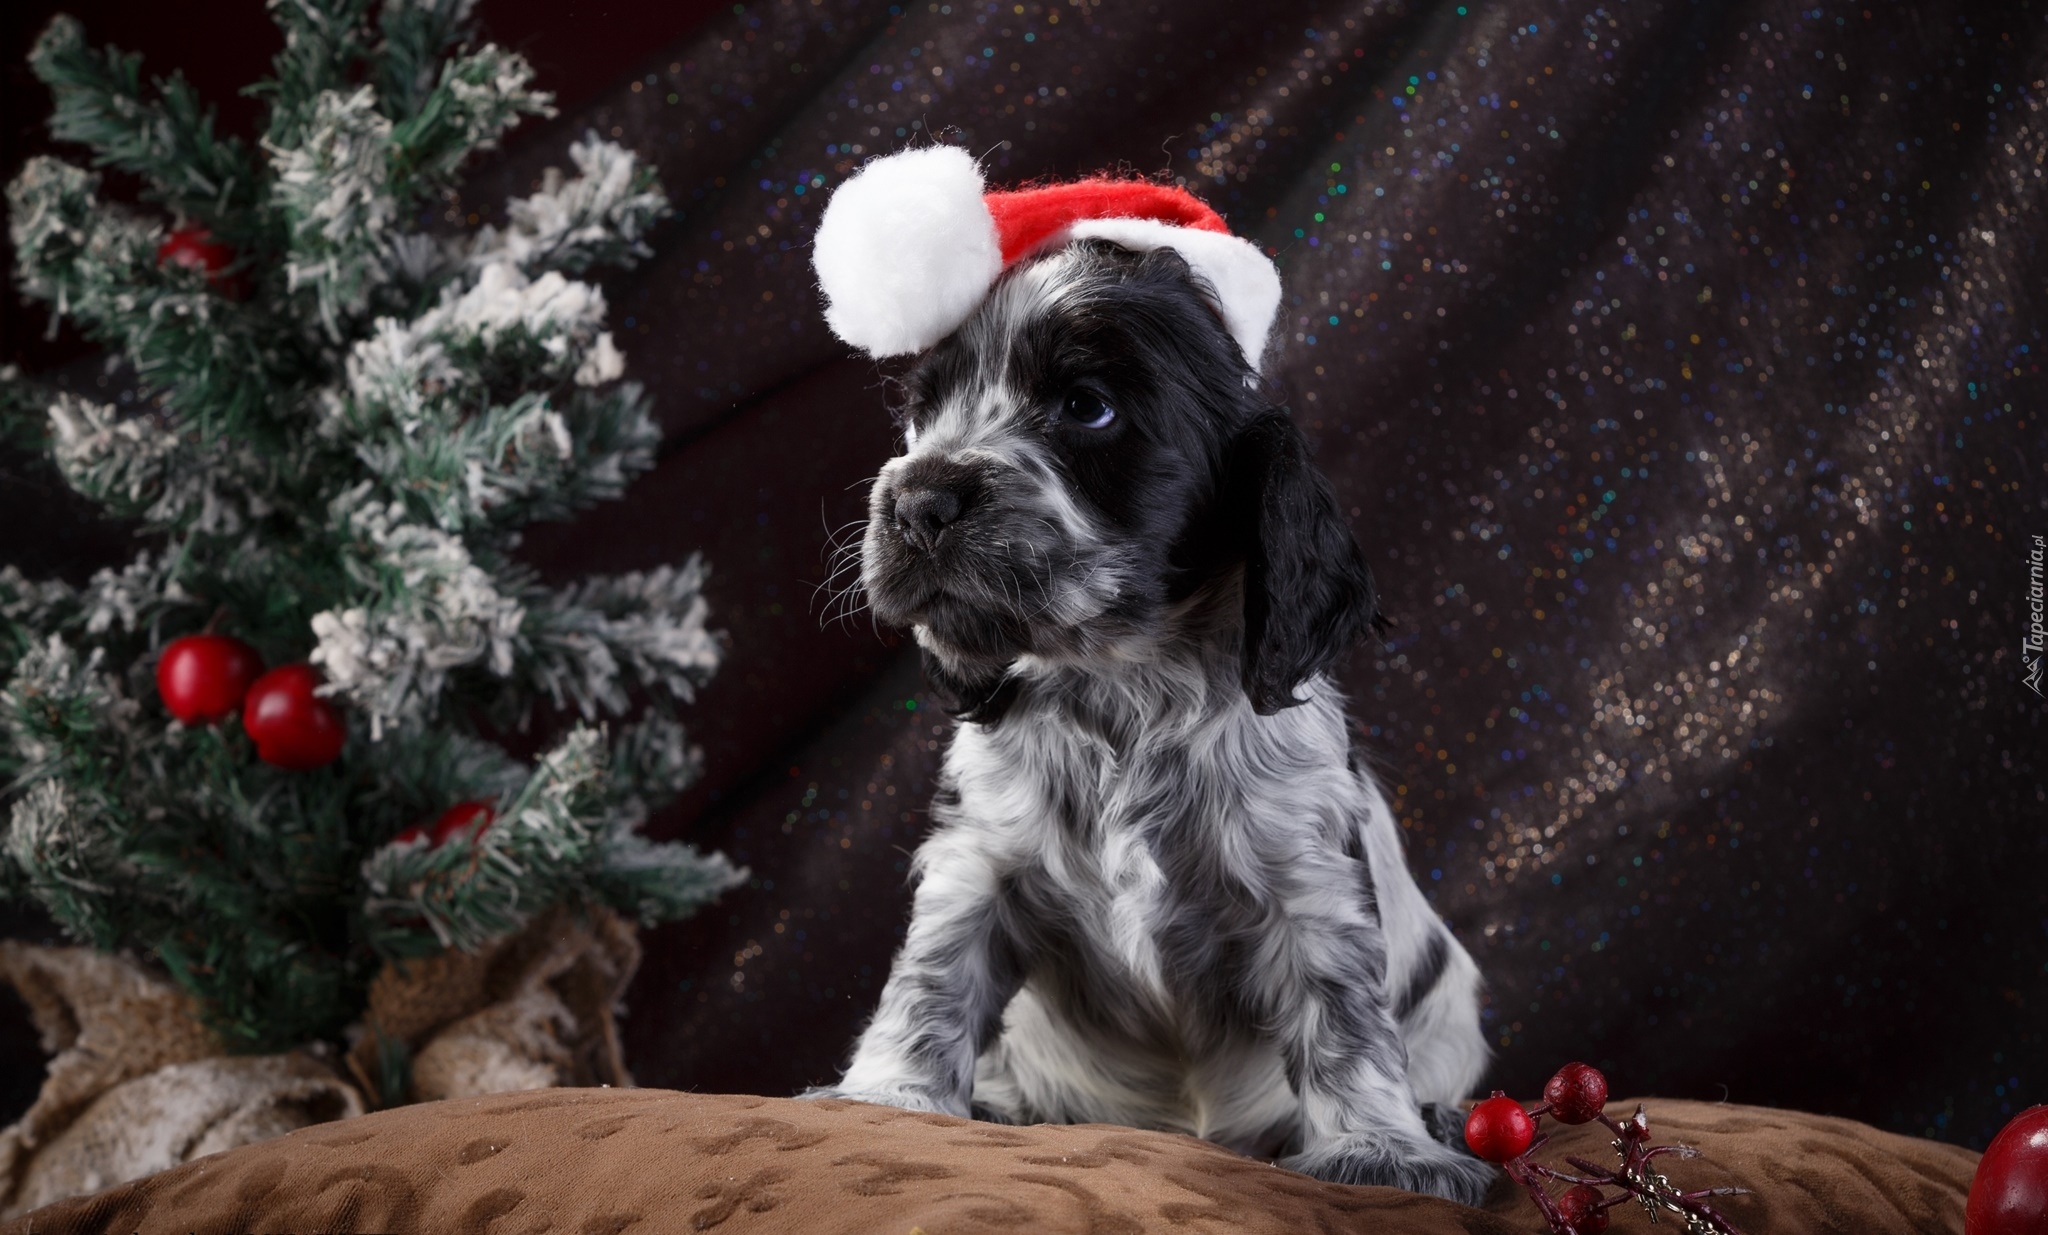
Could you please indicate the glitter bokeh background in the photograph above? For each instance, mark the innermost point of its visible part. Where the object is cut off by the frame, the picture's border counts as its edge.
(1681, 366)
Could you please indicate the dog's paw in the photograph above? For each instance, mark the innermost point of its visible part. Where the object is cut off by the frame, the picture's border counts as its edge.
(1445, 1122)
(903, 1099)
(1417, 1166)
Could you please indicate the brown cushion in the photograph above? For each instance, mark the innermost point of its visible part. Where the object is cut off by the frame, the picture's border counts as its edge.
(602, 1161)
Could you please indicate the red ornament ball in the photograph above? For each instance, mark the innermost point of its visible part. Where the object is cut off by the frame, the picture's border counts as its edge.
(1498, 1129)
(2009, 1194)
(1576, 1094)
(202, 678)
(195, 249)
(1580, 1206)
(462, 821)
(292, 727)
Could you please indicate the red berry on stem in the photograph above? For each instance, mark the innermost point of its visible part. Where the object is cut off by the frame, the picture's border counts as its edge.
(1498, 1129)
(464, 820)
(2009, 1195)
(1576, 1094)
(292, 727)
(1580, 1206)
(203, 677)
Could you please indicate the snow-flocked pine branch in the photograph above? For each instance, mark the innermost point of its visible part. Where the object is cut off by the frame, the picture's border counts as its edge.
(168, 139)
(569, 834)
(599, 217)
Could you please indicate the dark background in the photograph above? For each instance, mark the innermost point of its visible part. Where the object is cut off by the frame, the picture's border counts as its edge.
(1680, 364)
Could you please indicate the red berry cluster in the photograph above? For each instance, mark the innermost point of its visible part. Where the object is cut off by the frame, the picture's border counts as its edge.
(202, 678)
(1500, 1130)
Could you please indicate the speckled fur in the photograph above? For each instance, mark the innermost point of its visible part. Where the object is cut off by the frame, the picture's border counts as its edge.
(1161, 891)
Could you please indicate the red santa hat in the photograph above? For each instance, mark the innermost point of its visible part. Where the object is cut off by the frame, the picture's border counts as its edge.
(910, 246)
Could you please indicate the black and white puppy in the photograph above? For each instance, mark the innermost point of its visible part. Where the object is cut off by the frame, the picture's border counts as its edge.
(1161, 892)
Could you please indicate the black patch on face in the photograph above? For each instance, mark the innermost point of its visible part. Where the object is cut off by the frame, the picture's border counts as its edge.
(1193, 476)
(1141, 339)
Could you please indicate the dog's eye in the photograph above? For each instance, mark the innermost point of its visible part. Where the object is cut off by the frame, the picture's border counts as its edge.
(1089, 412)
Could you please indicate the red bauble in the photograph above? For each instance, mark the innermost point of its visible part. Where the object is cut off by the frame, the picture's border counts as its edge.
(203, 677)
(196, 249)
(292, 727)
(1580, 1206)
(1498, 1129)
(464, 820)
(1576, 1094)
(2009, 1195)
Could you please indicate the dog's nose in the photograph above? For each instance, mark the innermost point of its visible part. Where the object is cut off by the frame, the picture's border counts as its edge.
(924, 513)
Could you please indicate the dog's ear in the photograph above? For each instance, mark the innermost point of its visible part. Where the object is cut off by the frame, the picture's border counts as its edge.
(980, 695)
(1308, 594)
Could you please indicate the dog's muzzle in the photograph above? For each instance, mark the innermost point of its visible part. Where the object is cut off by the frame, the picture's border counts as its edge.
(948, 550)
(924, 510)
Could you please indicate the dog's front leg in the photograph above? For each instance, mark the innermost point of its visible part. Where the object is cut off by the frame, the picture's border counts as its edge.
(1320, 987)
(946, 992)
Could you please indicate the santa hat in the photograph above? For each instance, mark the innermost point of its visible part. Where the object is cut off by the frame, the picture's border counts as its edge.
(910, 246)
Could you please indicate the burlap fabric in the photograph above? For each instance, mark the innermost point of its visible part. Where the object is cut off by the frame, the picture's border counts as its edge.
(652, 1160)
(533, 1010)
(136, 1084)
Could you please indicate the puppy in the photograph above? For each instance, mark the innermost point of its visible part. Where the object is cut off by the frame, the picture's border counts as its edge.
(1162, 891)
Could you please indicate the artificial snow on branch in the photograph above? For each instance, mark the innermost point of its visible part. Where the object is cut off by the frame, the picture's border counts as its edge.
(552, 328)
(142, 468)
(97, 264)
(601, 216)
(65, 716)
(63, 855)
(334, 191)
(594, 639)
(355, 169)
(80, 255)
(567, 835)
(429, 610)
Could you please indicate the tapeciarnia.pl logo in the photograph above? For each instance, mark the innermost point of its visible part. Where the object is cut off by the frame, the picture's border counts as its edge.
(2037, 635)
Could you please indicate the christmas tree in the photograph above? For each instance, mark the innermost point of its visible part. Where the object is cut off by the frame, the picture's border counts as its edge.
(349, 415)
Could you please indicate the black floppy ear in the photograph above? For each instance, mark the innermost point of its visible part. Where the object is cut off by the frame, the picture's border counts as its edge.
(1308, 594)
(980, 695)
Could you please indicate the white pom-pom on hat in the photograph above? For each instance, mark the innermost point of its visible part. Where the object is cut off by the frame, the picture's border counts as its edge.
(910, 246)
(906, 251)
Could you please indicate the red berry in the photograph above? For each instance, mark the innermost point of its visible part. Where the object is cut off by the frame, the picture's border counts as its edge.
(1580, 1206)
(203, 677)
(464, 820)
(195, 249)
(2009, 1195)
(411, 834)
(1576, 1094)
(292, 727)
(1498, 1129)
